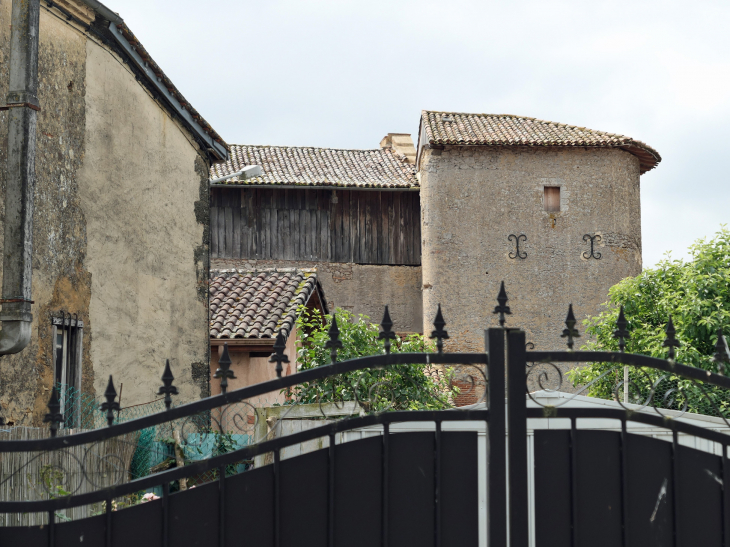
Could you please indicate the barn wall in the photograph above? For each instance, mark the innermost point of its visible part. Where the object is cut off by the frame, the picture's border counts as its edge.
(341, 226)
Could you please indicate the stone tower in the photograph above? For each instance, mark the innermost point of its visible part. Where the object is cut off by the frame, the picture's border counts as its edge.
(491, 182)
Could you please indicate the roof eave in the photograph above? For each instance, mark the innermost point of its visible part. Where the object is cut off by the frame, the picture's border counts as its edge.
(218, 150)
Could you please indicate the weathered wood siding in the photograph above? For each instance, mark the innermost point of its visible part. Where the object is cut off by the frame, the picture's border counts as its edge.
(364, 227)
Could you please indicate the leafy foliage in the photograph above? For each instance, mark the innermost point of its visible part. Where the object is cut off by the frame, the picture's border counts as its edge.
(697, 296)
(399, 387)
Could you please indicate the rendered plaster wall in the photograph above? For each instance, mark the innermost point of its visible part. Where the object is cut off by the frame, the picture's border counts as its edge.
(120, 230)
(359, 288)
(254, 370)
(473, 198)
(61, 280)
(143, 192)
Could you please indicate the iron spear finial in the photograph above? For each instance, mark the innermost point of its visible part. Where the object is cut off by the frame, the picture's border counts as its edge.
(440, 334)
(722, 353)
(334, 342)
(167, 389)
(387, 333)
(224, 371)
(502, 309)
(670, 341)
(110, 405)
(570, 332)
(621, 332)
(54, 416)
(279, 356)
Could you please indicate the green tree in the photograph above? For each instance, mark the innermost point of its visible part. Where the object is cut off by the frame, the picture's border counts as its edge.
(397, 387)
(696, 294)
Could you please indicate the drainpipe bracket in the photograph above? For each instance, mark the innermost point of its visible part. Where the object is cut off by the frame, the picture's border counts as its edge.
(23, 97)
(13, 315)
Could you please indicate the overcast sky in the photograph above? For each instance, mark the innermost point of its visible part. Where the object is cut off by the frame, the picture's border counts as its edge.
(342, 74)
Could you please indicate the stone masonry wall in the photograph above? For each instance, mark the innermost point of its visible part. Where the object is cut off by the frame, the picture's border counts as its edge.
(473, 198)
(358, 288)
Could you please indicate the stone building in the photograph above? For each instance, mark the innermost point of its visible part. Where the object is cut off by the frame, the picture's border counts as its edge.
(551, 209)
(120, 238)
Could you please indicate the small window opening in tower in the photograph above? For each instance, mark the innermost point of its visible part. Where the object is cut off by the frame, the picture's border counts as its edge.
(551, 199)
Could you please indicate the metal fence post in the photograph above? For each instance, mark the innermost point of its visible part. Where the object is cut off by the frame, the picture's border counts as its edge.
(517, 446)
(496, 455)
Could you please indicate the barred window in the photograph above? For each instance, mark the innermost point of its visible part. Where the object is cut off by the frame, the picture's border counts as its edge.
(67, 332)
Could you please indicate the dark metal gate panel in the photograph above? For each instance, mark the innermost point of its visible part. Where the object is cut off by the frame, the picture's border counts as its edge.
(80, 533)
(303, 500)
(579, 485)
(24, 535)
(699, 496)
(649, 491)
(194, 519)
(597, 472)
(138, 526)
(249, 506)
(552, 488)
(358, 491)
(460, 490)
(410, 484)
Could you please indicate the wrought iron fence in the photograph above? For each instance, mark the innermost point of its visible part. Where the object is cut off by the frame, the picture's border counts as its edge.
(220, 451)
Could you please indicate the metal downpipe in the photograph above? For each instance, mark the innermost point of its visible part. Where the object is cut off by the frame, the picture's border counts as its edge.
(22, 106)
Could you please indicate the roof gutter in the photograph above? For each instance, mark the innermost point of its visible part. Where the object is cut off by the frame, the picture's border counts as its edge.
(102, 10)
(318, 187)
(215, 148)
(22, 106)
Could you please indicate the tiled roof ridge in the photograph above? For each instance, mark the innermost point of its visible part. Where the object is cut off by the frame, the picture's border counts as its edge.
(218, 271)
(310, 148)
(314, 166)
(506, 136)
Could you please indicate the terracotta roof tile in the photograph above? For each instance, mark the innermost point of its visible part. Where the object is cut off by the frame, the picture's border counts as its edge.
(456, 128)
(304, 166)
(257, 304)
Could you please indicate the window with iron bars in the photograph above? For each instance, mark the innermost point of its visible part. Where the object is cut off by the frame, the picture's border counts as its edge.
(68, 339)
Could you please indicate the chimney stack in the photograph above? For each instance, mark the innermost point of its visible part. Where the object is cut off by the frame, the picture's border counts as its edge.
(402, 143)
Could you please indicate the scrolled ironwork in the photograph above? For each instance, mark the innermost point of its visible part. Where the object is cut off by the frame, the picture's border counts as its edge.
(517, 253)
(592, 253)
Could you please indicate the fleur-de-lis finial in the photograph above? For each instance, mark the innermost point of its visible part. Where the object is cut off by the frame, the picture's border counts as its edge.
(502, 309)
(722, 353)
(110, 405)
(54, 416)
(570, 332)
(440, 334)
(621, 332)
(387, 333)
(334, 342)
(278, 356)
(167, 389)
(670, 341)
(224, 371)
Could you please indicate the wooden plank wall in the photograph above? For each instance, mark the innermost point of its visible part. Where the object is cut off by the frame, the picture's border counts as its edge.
(364, 227)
